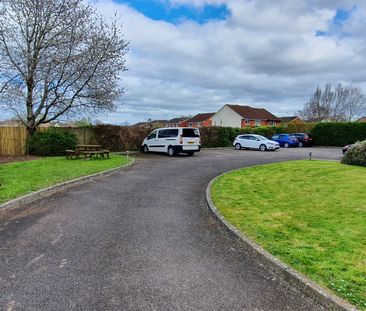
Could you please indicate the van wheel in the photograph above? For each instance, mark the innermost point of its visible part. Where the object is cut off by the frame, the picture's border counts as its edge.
(237, 146)
(145, 149)
(171, 151)
(301, 144)
(286, 145)
(190, 154)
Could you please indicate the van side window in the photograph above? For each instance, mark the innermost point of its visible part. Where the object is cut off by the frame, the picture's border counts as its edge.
(171, 133)
(162, 133)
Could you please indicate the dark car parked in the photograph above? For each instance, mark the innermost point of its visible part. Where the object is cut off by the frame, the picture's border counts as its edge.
(286, 140)
(346, 148)
(304, 139)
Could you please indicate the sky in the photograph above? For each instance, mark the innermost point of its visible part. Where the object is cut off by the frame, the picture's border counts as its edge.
(192, 56)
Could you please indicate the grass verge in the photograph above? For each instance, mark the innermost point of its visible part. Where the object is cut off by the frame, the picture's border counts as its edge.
(310, 214)
(20, 178)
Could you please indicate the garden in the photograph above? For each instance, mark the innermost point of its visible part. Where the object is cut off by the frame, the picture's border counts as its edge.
(310, 214)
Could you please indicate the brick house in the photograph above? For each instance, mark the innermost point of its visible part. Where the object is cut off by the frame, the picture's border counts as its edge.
(242, 116)
(176, 122)
(362, 119)
(200, 120)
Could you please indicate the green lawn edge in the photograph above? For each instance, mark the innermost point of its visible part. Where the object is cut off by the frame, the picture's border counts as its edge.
(21, 178)
(310, 214)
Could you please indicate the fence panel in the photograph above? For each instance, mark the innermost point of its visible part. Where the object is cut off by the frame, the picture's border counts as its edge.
(13, 141)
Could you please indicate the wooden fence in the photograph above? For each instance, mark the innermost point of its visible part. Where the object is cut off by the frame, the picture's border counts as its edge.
(13, 139)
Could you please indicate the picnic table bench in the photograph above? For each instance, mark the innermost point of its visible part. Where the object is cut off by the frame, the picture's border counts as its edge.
(88, 151)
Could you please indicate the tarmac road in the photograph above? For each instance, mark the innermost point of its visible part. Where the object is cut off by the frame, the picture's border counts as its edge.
(140, 239)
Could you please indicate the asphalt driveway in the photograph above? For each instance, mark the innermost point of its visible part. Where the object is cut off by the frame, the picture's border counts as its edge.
(140, 239)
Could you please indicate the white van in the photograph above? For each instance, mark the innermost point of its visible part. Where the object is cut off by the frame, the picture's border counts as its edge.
(173, 140)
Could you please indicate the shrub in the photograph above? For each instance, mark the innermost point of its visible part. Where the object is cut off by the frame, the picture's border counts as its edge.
(51, 143)
(338, 134)
(356, 155)
(119, 138)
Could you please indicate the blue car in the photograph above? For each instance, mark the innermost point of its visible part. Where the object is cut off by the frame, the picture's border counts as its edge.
(286, 140)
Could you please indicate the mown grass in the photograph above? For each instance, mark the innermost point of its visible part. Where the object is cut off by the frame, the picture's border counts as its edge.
(20, 178)
(310, 214)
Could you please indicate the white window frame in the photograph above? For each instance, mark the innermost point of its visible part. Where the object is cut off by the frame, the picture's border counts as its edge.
(258, 123)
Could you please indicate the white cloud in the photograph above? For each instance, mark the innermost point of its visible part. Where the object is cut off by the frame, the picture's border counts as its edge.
(264, 54)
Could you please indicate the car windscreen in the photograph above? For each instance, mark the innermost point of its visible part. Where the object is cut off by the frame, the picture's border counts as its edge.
(191, 133)
(261, 137)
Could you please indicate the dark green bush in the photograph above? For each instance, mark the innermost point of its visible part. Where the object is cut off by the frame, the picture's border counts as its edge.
(51, 143)
(356, 155)
(338, 134)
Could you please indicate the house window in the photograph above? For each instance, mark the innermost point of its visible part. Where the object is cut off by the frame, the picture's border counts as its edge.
(247, 122)
(272, 123)
(257, 122)
(190, 124)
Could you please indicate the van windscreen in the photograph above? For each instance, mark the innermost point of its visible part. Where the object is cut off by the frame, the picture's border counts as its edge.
(191, 133)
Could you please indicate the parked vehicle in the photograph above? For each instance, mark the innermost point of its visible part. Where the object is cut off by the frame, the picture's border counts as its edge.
(286, 140)
(252, 141)
(173, 141)
(304, 139)
(346, 148)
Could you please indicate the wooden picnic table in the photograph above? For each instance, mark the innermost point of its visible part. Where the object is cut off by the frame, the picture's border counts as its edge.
(88, 151)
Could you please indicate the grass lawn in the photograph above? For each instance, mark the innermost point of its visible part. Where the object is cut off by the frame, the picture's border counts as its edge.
(311, 214)
(20, 178)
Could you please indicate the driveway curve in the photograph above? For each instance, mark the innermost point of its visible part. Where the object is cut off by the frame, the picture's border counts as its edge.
(140, 239)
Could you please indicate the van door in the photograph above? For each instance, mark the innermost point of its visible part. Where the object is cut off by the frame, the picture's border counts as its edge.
(152, 141)
(166, 138)
(191, 139)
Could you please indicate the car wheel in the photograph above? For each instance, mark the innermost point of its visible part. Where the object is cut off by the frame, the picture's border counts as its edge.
(237, 146)
(171, 151)
(301, 144)
(262, 147)
(286, 145)
(190, 154)
(145, 149)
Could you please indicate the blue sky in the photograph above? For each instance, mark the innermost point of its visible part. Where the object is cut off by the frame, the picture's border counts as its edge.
(336, 23)
(161, 10)
(183, 59)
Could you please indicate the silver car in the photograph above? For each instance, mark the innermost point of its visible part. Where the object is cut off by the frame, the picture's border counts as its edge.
(253, 141)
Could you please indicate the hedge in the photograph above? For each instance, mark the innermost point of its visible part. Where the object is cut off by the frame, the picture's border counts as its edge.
(338, 134)
(118, 138)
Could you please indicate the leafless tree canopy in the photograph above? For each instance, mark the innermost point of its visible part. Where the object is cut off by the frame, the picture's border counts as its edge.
(57, 57)
(343, 103)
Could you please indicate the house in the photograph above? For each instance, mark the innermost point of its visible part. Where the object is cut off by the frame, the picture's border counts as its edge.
(362, 119)
(150, 124)
(176, 122)
(293, 119)
(200, 120)
(242, 116)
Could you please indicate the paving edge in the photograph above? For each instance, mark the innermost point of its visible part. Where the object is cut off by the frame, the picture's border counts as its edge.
(45, 192)
(309, 288)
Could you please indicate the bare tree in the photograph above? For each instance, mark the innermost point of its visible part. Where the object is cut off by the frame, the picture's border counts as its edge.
(58, 57)
(343, 104)
(316, 110)
(354, 105)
